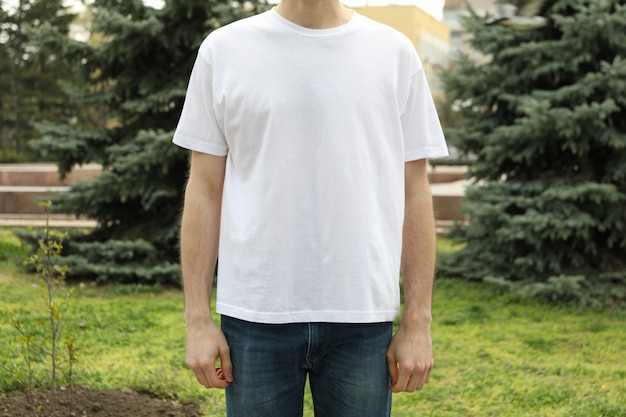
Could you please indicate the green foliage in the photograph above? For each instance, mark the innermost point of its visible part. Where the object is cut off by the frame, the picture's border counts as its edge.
(136, 69)
(42, 339)
(495, 354)
(545, 115)
(11, 249)
(29, 75)
(11, 156)
(121, 261)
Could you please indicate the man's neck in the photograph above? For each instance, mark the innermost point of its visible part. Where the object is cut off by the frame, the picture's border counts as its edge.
(315, 14)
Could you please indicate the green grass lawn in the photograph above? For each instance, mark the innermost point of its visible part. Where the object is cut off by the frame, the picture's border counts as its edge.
(496, 355)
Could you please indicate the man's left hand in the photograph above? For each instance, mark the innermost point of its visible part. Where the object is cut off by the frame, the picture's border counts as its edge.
(410, 359)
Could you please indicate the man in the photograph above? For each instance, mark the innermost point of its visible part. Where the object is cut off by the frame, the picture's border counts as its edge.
(309, 126)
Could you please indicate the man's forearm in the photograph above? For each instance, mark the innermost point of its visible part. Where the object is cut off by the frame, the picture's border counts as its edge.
(418, 252)
(199, 238)
(200, 231)
(410, 353)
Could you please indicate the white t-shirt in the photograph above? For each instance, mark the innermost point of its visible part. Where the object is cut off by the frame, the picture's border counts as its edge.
(316, 126)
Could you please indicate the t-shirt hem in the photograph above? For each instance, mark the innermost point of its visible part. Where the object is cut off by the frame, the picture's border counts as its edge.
(307, 316)
(199, 145)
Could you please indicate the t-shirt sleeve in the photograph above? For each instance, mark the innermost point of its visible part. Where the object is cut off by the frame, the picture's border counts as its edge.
(198, 127)
(423, 135)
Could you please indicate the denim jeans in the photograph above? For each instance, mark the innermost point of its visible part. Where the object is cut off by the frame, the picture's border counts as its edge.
(346, 365)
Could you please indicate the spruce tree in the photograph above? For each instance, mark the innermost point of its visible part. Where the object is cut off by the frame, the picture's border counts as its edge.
(29, 74)
(136, 68)
(544, 114)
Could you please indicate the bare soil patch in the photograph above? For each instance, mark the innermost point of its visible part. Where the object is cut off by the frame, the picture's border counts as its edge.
(83, 402)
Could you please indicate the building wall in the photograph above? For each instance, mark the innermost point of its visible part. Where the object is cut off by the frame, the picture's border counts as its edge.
(453, 11)
(429, 36)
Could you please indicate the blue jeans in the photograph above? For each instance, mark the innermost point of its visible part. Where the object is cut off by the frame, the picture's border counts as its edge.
(346, 365)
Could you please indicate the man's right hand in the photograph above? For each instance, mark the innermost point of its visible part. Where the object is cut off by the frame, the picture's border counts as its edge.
(205, 345)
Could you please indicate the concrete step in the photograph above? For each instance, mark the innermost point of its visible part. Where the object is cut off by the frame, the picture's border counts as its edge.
(24, 199)
(47, 174)
(44, 174)
(447, 200)
(39, 220)
(68, 221)
(21, 185)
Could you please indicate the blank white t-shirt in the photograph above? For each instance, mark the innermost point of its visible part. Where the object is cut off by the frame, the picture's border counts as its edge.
(317, 126)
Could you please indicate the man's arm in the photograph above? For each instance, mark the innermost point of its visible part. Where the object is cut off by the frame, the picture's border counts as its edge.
(199, 239)
(410, 353)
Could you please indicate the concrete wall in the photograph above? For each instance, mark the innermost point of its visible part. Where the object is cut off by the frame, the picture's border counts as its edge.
(21, 185)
